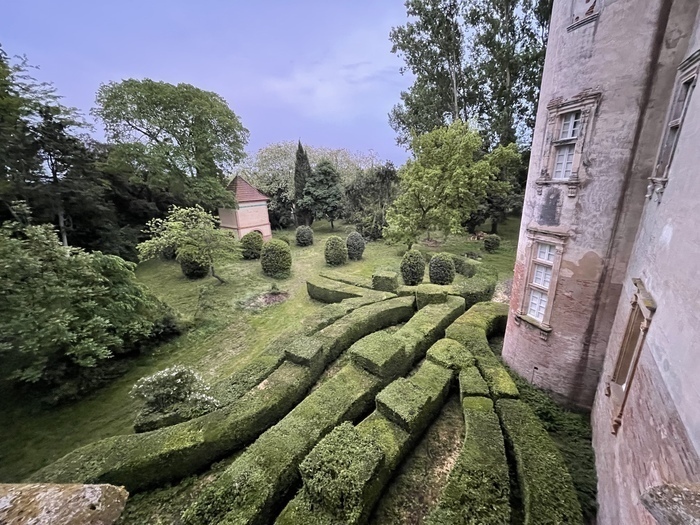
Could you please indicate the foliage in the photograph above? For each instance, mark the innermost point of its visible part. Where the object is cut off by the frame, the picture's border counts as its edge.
(356, 246)
(412, 267)
(189, 136)
(192, 269)
(302, 173)
(444, 183)
(276, 259)
(251, 245)
(441, 269)
(386, 281)
(367, 197)
(304, 236)
(323, 194)
(164, 389)
(492, 243)
(64, 309)
(335, 252)
(195, 235)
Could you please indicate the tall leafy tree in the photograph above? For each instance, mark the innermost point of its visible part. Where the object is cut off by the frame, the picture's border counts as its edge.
(184, 138)
(323, 193)
(302, 173)
(367, 198)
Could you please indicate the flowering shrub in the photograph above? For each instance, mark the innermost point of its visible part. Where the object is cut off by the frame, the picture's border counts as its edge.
(167, 388)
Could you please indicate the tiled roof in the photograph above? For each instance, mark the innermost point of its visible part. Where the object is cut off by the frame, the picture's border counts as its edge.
(244, 191)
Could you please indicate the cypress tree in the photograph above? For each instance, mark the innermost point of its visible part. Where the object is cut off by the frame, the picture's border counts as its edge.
(302, 172)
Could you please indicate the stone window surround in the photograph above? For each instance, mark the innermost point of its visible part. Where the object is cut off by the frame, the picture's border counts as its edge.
(536, 235)
(587, 103)
(646, 306)
(687, 72)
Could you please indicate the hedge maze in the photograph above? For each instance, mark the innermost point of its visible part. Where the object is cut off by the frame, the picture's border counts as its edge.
(325, 456)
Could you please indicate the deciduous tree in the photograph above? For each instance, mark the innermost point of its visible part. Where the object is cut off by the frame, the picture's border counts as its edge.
(323, 193)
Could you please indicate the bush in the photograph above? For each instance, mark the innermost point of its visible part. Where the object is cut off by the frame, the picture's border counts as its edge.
(168, 387)
(251, 245)
(336, 252)
(441, 269)
(276, 259)
(284, 239)
(473, 255)
(464, 266)
(491, 243)
(305, 236)
(169, 253)
(356, 246)
(193, 269)
(412, 267)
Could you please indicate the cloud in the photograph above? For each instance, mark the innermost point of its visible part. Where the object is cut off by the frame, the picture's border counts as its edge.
(357, 77)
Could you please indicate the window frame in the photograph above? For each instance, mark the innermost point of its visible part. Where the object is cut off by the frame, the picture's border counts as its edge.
(589, 15)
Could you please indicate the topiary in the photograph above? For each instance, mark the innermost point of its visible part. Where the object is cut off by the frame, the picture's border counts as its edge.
(412, 267)
(336, 252)
(193, 269)
(356, 246)
(491, 243)
(284, 239)
(305, 236)
(441, 269)
(276, 259)
(251, 245)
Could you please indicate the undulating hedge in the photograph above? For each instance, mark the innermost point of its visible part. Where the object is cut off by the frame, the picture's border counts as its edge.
(355, 280)
(380, 354)
(464, 266)
(304, 236)
(332, 312)
(328, 291)
(478, 288)
(385, 281)
(412, 267)
(471, 383)
(448, 353)
(547, 491)
(356, 246)
(478, 488)
(441, 269)
(251, 245)
(335, 251)
(193, 269)
(430, 294)
(276, 259)
(491, 243)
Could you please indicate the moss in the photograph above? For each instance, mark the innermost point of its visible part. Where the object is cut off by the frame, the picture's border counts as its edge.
(328, 291)
(249, 488)
(380, 354)
(471, 383)
(547, 491)
(385, 281)
(430, 294)
(304, 351)
(477, 491)
(329, 314)
(355, 280)
(450, 354)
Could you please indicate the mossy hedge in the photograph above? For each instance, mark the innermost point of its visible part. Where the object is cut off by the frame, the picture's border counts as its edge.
(430, 294)
(478, 288)
(412, 267)
(355, 280)
(385, 281)
(251, 245)
(276, 259)
(471, 383)
(335, 251)
(328, 291)
(304, 236)
(546, 487)
(356, 246)
(478, 488)
(441, 269)
(450, 354)
(463, 265)
(380, 354)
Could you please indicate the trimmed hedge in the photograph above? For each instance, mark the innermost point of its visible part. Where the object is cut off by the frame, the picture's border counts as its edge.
(489, 316)
(547, 490)
(356, 246)
(193, 270)
(335, 252)
(304, 236)
(478, 288)
(380, 354)
(355, 280)
(412, 267)
(332, 312)
(441, 269)
(276, 259)
(478, 488)
(491, 243)
(385, 281)
(471, 383)
(328, 291)
(430, 294)
(251, 245)
(448, 353)
(464, 266)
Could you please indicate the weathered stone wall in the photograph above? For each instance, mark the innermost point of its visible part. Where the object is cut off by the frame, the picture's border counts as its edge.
(658, 441)
(625, 56)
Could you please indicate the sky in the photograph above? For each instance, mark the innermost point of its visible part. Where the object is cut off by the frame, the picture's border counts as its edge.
(317, 70)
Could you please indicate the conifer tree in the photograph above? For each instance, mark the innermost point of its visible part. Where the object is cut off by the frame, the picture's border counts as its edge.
(302, 172)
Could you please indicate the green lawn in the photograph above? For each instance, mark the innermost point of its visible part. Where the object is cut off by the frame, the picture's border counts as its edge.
(224, 337)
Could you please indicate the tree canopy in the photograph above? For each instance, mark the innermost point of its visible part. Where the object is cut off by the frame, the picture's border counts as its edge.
(323, 193)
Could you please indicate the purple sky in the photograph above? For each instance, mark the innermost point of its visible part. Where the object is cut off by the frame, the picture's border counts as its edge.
(319, 70)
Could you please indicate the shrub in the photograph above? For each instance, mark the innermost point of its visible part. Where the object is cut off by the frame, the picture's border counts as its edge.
(491, 243)
(305, 236)
(464, 266)
(284, 239)
(412, 267)
(356, 246)
(441, 269)
(169, 253)
(171, 386)
(336, 252)
(472, 255)
(193, 269)
(276, 259)
(251, 244)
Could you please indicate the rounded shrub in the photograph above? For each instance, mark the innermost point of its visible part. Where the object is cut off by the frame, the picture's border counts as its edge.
(412, 267)
(169, 253)
(284, 239)
(305, 236)
(491, 243)
(336, 251)
(441, 269)
(251, 245)
(356, 246)
(276, 259)
(193, 269)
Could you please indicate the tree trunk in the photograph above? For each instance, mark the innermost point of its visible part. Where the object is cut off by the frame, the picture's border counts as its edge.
(62, 227)
(331, 221)
(213, 274)
(494, 227)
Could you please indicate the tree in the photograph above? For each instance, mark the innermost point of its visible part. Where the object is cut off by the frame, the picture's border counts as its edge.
(302, 173)
(323, 194)
(368, 196)
(188, 136)
(195, 236)
(442, 185)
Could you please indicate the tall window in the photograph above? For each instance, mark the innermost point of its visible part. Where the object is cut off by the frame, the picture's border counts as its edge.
(675, 120)
(564, 155)
(564, 162)
(570, 125)
(541, 280)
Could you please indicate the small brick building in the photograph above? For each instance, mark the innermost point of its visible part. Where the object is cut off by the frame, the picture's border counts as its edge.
(251, 214)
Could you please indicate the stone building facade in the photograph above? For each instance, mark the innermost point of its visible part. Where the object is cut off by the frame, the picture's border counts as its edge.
(605, 310)
(252, 213)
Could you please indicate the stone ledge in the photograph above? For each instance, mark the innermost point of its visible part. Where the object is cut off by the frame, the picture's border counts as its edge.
(674, 504)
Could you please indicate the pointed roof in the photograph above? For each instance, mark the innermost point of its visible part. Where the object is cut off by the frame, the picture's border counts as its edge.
(244, 191)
